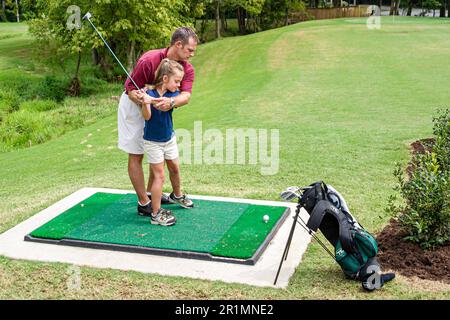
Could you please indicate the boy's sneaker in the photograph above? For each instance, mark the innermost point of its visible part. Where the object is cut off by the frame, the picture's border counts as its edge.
(146, 210)
(183, 201)
(163, 217)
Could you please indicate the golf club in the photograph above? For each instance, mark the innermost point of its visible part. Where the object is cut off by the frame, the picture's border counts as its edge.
(87, 17)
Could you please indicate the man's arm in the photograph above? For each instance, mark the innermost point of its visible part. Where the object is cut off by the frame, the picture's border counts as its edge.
(136, 96)
(180, 100)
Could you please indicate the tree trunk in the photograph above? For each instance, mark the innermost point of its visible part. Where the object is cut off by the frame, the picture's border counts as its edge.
(75, 84)
(131, 56)
(95, 57)
(394, 7)
(223, 21)
(241, 20)
(17, 12)
(3, 12)
(286, 16)
(442, 10)
(77, 71)
(218, 27)
(408, 13)
(203, 26)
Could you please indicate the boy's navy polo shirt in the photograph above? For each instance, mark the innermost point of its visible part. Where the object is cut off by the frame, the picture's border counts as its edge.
(160, 126)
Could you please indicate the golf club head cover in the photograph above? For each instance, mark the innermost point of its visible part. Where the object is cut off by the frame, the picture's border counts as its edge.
(385, 277)
(369, 281)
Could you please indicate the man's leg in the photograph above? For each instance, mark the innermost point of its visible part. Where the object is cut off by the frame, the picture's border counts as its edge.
(136, 174)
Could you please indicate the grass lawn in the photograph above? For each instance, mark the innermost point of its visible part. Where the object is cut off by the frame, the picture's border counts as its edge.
(346, 100)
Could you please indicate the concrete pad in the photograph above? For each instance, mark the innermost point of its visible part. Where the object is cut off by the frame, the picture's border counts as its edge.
(263, 273)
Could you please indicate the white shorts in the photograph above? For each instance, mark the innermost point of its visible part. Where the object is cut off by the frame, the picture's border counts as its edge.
(158, 151)
(130, 125)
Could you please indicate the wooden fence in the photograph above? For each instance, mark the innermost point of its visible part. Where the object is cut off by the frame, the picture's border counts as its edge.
(329, 13)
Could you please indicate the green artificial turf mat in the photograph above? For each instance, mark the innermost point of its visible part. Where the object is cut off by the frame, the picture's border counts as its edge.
(224, 229)
(248, 232)
(80, 213)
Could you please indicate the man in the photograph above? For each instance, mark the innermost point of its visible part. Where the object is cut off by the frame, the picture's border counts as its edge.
(131, 123)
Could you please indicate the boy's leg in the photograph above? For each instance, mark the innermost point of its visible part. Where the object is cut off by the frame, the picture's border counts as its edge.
(164, 197)
(150, 181)
(174, 173)
(157, 185)
(175, 178)
(159, 215)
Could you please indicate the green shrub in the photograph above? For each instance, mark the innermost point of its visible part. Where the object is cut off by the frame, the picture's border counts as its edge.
(441, 130)
(9, 100)
(426, 215)
(39, 105)
(51, 88)
(22, 128)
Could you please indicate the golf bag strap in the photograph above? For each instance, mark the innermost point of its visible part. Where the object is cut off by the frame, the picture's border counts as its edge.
(322, 207)
(346, 237)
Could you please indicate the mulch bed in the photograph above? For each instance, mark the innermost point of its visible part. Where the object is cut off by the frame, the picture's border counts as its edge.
(407, 257)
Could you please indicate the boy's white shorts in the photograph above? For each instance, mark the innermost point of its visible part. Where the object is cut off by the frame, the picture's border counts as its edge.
(130, 126)
(158, 151)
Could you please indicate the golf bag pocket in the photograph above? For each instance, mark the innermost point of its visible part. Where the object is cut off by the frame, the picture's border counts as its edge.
(366, 248)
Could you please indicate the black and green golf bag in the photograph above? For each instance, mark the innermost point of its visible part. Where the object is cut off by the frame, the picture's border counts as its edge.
(355, 248)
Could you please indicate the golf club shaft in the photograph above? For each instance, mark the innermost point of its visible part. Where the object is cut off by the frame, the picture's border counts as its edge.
(112, 52)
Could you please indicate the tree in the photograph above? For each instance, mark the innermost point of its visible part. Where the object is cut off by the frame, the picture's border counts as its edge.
(276, 12)
(247, 12)
(442, 8)
(129, 26)
(3, 12)
(17, 11)
(395, 4)
(431, 5)
(217, 17)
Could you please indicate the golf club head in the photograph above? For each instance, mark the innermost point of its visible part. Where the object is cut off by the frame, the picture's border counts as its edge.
(87, 16)
(290, 193)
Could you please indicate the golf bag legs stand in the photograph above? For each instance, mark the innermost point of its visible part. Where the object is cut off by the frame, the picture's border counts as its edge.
(288, 243)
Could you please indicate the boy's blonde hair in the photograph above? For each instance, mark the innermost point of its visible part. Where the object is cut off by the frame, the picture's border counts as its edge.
(166, 67)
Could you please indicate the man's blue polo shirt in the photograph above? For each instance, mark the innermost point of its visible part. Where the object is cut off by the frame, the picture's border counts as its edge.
(160, 126)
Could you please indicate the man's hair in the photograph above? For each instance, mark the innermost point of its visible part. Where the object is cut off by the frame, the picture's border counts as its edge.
(183, 34)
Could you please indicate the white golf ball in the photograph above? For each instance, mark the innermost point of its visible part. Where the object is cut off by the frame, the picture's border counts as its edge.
(266, 218)
(82, 205)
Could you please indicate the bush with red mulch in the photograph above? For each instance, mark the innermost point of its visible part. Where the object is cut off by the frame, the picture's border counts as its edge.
(407, 257)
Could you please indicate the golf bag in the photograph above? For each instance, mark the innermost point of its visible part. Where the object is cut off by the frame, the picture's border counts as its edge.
(355, 248)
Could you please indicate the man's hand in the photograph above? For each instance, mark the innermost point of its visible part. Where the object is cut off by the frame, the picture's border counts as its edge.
(162, 104)
(137, 96)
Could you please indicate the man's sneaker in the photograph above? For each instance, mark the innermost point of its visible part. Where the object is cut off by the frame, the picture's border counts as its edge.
(163, 217)
(164, 198)
(183, 201)
(146, 210)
